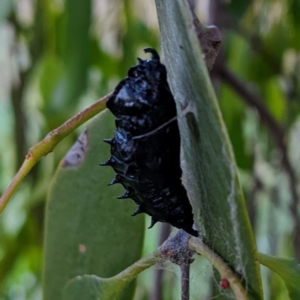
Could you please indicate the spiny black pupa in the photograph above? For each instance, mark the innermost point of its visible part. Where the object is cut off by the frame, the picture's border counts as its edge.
(145, 150)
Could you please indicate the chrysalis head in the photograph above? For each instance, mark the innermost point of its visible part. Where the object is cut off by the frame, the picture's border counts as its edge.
(145, 78)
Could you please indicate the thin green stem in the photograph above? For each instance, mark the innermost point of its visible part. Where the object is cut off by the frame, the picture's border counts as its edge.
(144, 263)
(224, 270)
(200, 248)
(48, 144)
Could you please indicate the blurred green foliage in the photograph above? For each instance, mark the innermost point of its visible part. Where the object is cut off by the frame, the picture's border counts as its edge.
(57, 57)
(86, 231)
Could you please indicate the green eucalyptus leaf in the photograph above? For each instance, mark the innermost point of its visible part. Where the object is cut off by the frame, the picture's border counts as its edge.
(287, 269)
(88, 231)
(91, 287)
(211, 176)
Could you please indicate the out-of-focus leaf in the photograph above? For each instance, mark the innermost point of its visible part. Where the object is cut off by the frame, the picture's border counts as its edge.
(72, 38)
(238, 52)
(211, 177)
(238, 8)
(259, 70)
(5, 9)
(233, 111)
(136, 35)
(91, 287)
(275, 99)
(293, 7)
(102, 60)
(278, 39)
(51, 70)
(287, 269)
(78, 14)
(88, 231)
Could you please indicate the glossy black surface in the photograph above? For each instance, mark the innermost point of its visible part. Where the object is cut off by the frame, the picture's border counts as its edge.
(145, 151)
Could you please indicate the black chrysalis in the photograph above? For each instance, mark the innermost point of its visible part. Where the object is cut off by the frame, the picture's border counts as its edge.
(145, 150)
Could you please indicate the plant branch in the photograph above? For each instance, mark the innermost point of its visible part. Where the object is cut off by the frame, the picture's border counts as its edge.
(176, 250)
(167, 251)
(185, 281)
(48, 144)
(278, 135)
(139, 266)
(224, 270)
